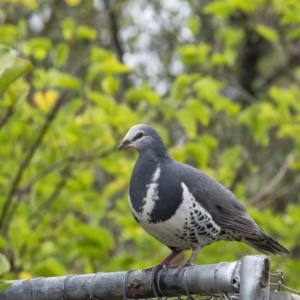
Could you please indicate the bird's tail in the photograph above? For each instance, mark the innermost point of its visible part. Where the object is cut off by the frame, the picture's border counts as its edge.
(264, 243)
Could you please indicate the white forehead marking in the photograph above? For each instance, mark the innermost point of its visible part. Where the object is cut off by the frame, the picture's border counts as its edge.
(133, 131)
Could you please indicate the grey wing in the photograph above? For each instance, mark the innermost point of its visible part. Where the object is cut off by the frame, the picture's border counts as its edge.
(219, 202)
(228, 212)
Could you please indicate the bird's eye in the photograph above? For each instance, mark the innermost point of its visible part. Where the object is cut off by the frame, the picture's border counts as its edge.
(138, 135)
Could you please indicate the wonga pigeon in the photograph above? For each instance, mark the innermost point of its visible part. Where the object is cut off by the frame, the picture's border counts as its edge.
(182, 207)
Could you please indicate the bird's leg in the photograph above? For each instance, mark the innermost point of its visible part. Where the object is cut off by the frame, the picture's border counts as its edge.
(163, 264)
(188, 263)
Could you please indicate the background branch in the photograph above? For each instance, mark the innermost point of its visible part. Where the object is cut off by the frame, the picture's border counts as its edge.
(27, 159)
(10, 111)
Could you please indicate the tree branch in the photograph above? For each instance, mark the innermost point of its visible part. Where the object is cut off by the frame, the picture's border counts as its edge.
(282, 193)
(294, 61)
(114, 29)
(10, 111)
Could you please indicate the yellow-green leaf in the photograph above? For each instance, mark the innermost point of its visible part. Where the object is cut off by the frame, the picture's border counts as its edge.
(144, 92)
(86, 32)
(20, 67)
(4, 264)
(268, 33)
(110, 85)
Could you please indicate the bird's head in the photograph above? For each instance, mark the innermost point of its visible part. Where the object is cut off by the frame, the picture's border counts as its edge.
(142, 137)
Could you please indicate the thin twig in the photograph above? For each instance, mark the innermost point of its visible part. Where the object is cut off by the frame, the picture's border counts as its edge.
(10, 111)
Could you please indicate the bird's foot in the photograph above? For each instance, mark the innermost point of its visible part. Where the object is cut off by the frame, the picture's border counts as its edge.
(164, 264)
(180, 267)
(156, 268)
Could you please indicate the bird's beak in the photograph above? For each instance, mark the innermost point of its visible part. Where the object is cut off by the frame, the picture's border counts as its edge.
(123, 145)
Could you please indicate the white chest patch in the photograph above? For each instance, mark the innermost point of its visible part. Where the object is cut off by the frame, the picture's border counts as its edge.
(191, 227)
(149, 200)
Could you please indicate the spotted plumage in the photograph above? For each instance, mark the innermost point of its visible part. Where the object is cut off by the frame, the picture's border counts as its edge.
(182, 207)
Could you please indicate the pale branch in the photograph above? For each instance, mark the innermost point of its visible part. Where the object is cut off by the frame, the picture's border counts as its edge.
(294, 187)
(274, 181)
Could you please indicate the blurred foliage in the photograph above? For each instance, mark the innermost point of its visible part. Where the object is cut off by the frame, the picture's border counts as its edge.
(218, 79)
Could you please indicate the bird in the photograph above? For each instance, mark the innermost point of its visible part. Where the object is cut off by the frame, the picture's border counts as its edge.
(184, 208)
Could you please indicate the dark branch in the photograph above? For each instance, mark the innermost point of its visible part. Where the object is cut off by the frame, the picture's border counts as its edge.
(69, 159)
(114, 29)
(10, 111)
(24, 164)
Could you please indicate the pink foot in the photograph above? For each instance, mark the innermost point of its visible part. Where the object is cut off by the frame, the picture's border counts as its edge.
(164, 264)
(156, 268)
(182, 266)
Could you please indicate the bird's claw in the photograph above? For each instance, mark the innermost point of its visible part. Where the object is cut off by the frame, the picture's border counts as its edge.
(181, 267)
(165, 268)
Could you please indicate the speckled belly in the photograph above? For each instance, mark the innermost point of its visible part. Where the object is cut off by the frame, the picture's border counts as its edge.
(191, 227)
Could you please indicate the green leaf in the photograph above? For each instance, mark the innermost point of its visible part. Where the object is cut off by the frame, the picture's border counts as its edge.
(293, 34)
(68, 28)
(63, 80)
(40, 47)
(8, 58)
(224, 8)
(199, 110)
(49, 267)
(61, 54)
(86, 33)
(268, 33)
(20, 67)
(94, 242)
(194, 24)
(8, 34)
(188, 121)
(231, 36)
(110, 85)
(108, 67)
(4, 264)
(191, 54)
(220, 8)
(231, 157)
(179, 87)
(104, 101)
(144, 92)
(99, 54)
